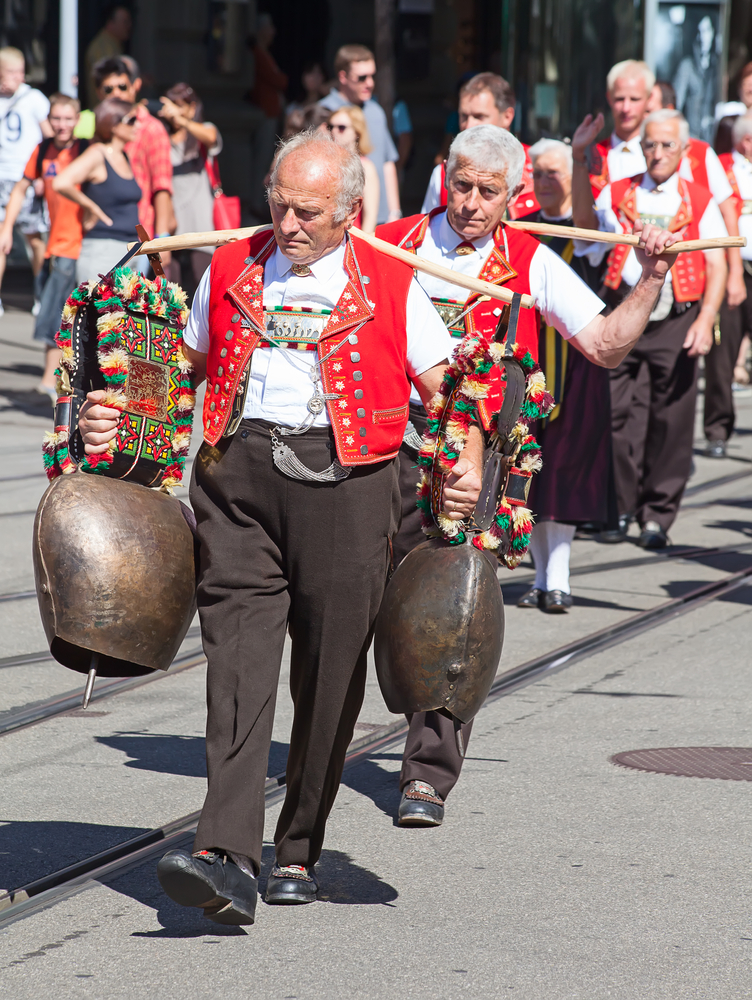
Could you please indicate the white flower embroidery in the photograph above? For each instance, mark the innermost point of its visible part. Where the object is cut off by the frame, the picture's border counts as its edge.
(237, 350)
(345, 421)
(339, 386)
(343, 404)
(349, 440)
(337, 366)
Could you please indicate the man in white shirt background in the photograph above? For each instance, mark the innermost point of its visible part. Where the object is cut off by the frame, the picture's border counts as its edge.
(23, 125)
(651, 472)
(735, 323)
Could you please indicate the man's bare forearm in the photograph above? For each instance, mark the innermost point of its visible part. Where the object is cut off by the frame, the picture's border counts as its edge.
(583, 207)
(607, 340)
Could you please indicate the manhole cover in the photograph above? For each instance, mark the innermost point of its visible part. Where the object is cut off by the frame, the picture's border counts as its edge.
(731, 763)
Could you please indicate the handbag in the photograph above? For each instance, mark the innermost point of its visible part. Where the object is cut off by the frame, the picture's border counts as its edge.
(226, 207)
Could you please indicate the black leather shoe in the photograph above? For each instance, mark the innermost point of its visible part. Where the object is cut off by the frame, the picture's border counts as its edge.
(652, 536)
(291, 884)
(556, 602)
(532, 599)
(716, 449)
(213, 881)
(616, 535)
(421, 805)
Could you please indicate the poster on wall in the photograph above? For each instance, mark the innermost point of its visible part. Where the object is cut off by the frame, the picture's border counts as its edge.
(685, 45)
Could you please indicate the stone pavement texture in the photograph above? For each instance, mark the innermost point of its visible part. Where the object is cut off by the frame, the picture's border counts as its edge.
(555, 875)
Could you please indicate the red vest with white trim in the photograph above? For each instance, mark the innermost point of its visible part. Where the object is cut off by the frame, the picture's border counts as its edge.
(688, 273)
(727, 162)
(523, 204)
(599, 163)
(367, 373)
(696, 154)
(512, 272)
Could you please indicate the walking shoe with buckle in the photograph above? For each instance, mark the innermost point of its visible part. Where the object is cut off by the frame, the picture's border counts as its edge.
(212, 881)
(421, 805)
(615, 535)
(291, 884)
(556, 602)
(716, 449)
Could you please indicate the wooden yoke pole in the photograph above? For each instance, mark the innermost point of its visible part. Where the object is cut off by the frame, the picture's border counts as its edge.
(190, 241)
(594, 236)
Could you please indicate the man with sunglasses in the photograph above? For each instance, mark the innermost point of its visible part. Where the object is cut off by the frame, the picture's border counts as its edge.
(149, 153)
(355, 68)
(652, 463)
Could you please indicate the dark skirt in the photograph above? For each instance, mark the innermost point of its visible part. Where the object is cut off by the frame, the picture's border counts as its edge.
(573, 483)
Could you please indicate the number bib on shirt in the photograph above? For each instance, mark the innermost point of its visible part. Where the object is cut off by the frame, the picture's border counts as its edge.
(294, 329)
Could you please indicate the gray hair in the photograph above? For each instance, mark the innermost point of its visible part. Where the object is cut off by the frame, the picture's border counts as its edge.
(630, 69)
(488, 148)
(667, 115)
(543, 146)
(741, 127)
(351, 177)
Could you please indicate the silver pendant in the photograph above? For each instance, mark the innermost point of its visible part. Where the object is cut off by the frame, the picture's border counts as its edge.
(316, 404)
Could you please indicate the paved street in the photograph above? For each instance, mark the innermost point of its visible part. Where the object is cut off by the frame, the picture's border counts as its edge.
(555, 875)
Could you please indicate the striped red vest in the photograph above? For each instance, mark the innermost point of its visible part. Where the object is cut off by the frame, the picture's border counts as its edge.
(514, 273)
(688, 273)
(367, 373)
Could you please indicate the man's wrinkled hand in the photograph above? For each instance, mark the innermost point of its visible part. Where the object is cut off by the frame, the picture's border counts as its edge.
(699, 338)
(653, 241)
(461, 490)
(97, 423)
(587, 132)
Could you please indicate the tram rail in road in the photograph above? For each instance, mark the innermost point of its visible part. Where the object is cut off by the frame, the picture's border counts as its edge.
(119, 859)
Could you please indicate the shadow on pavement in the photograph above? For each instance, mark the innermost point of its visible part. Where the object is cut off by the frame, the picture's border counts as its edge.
(183, 755)
(30, 850)
(380, 786)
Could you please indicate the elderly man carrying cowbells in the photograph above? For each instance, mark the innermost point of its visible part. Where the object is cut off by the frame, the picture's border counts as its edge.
(309, 341)
(484, 170)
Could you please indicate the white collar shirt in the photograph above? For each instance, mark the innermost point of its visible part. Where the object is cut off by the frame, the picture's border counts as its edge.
(280, 383)
(625, 158)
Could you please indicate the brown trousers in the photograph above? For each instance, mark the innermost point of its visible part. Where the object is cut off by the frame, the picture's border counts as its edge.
(719, 416)
(431, 752)
(279, 555)
(653, 458)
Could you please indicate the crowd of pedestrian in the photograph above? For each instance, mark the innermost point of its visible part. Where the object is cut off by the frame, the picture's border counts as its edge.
(75, 186)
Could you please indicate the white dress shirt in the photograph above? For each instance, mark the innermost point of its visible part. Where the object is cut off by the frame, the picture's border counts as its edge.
(625, 159)
(432, 199)
(718, 182)
(654, 202)
(743, 174)
(280, 383)
(563, 298)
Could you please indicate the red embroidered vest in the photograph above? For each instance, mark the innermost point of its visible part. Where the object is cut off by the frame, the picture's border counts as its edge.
(696, 155)
(523, 204)
(688, 273)
(514, 273)
(727, 162)
(367, 372)
(599, 163)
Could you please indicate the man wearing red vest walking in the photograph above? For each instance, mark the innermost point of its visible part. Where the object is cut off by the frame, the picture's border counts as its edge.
(719, 417)
(486, 99)
(484, 169)
(651, 473)
(309, 341)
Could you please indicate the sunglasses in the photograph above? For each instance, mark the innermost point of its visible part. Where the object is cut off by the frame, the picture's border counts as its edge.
(363, 77)
(110, 88)
(338, 128)
(129, 119)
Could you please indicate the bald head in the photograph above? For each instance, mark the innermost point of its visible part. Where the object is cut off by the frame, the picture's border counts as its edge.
(315, 193)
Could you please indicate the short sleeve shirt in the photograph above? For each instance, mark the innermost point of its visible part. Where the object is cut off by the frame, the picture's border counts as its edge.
(65, 234)
(280, 383)
(562, 297)
(20, 131)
